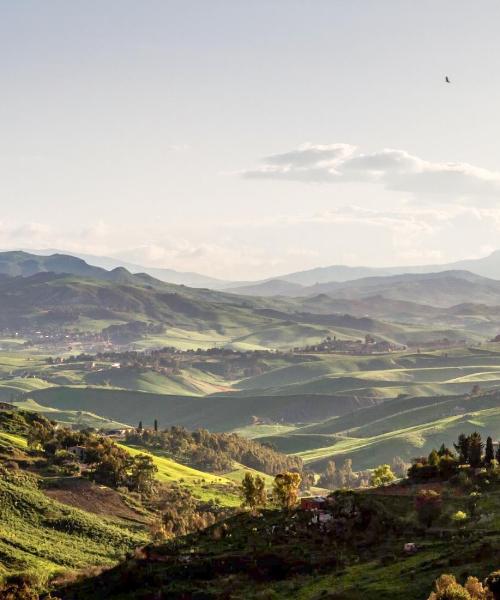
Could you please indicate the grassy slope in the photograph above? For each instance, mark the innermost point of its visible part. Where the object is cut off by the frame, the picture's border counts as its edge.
(406, 428)
(69, 417)
(223, 412)
(205, 486)
(42, 535)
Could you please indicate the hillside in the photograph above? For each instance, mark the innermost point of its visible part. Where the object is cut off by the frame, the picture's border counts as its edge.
(48, 297)
(44, 536)
(404, 427)
(357, 553)
(218, 413)
(151, 312)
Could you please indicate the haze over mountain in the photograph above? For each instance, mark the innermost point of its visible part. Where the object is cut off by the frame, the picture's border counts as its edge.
(488, 266)
(287, 284)
(164, 274)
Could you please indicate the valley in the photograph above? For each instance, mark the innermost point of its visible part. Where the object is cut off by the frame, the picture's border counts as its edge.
(204, 389)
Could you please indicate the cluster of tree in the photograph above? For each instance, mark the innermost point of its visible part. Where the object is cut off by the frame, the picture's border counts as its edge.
(214, 452)
(181, 513)
(131, 331)
(20, 421)
(446, 587)
(334, 478)
(445, 463)
(285, 492)
(105, 462)
(224, 362)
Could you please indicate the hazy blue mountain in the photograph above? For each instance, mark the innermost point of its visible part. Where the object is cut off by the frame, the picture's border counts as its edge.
(488, 266)
(273, 287)
(188, 278)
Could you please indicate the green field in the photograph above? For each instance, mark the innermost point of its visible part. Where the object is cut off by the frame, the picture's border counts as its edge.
(204, 486)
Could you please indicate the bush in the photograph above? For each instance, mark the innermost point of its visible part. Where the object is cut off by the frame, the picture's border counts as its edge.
(428, 505)
(493, 584)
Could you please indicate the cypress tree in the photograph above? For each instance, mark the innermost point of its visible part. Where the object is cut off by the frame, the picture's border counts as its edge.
(462, 447)
(489, 452)
(156, 425)
(475, 450)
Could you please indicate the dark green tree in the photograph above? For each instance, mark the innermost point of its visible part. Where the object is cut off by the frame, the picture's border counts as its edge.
(156, 425)
(428, 505)
(475, 450)
(462, 447)
(434, 458)
(489, 453)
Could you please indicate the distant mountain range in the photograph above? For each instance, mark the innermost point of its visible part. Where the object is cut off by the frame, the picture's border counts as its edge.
(488, 266)
(308, 282)
(442, 289)
(61, 291)
(187, 278)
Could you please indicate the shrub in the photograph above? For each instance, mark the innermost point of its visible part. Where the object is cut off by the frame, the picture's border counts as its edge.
(493, 584)
(428, 505)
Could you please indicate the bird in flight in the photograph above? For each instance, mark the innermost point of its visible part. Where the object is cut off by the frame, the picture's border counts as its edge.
(447, 79)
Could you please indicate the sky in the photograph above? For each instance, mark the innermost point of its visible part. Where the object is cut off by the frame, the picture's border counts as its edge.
(246, 140)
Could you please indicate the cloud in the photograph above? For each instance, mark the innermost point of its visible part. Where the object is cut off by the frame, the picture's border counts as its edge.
(393, 169)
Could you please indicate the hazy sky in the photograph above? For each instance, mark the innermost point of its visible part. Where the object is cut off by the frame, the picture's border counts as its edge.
(248, 139)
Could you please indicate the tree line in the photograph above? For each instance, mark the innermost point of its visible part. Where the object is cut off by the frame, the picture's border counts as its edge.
(105, 462)
(214, 452)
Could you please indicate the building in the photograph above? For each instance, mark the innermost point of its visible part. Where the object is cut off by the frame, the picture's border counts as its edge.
(313, 503)
(116, 433)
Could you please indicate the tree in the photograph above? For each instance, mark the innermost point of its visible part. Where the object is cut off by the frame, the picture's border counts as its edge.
(489, 452)
(329, 478)
(39, 434)
(475, 450)
(156, 425)
(382, 475)
(142, 474)
(445, 451)
(434, 459)
(347, 473)
(428, 505)
(473, 503)
(462, 447)
(447, 588)
(139, 428)
(253, 490)
(286, 489)
(308, 480)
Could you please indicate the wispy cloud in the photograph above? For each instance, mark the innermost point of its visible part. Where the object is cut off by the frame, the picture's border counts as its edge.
(392, 169)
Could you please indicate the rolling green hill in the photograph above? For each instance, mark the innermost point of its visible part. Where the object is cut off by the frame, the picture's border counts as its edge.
(405, 427)
(222, 412)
